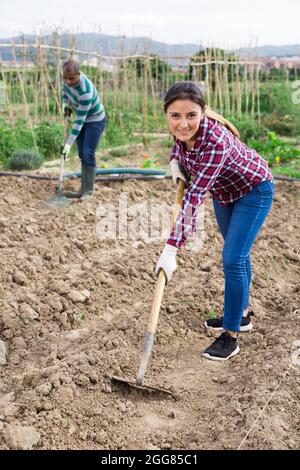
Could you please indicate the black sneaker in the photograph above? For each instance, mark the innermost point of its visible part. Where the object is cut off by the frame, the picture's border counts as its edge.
(217, 323)
(223, 348)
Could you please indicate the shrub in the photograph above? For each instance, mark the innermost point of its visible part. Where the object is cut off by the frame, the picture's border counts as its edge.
(169, 143)
(275, 150)
(7, 142)
(279, 113)
(118, 152)
(49, 138)
(25, 160)
(248, 129)
(14, 138)
(210, 315)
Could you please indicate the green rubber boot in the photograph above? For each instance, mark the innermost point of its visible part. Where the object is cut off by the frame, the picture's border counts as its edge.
(78, 194)
(90, 177)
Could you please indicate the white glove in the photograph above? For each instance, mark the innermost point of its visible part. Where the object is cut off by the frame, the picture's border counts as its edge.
(176, 172)
(167, 261)
(66, 150)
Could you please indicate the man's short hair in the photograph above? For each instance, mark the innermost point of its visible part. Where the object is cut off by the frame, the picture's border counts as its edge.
(71, 66)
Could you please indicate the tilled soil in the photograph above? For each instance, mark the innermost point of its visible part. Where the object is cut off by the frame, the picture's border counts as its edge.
(74, 309)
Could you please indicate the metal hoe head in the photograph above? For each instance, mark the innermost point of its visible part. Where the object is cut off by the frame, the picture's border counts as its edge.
(58, 200)
(134, 384)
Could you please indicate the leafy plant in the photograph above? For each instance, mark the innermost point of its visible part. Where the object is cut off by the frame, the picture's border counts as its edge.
(279, 113)
(25, 160)
(248, 129)
(169, 143)
(275, 150)
(289, 171)
(148, 163)
(118, 152)
(151, 162)
(49, 138)
(211, 315)
(7, 143)
(14, 138)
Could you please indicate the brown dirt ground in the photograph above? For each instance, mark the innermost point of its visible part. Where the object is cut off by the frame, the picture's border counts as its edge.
(74, 308)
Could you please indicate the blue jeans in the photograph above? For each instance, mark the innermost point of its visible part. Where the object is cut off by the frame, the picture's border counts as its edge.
(87, 141)
(239, 224)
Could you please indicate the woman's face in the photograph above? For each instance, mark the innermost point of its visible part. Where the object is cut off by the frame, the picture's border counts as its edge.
(184, 118)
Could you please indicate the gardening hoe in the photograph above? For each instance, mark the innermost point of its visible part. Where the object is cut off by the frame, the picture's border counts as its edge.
(149, 337)
(59, 199)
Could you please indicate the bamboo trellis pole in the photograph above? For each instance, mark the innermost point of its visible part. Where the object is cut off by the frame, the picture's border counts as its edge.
(153, 96)
(164, 85)
(258, 94)
(218, 89)
(27, 112)
(252, 94)
(156, 82)
(226, 90)
(58, 78)
(135, 85)
(207, 79)
(238, 89)
(44, 89)
(36, 96)
(6, 94)
(56, 93)
(145, 96)
(246, 91)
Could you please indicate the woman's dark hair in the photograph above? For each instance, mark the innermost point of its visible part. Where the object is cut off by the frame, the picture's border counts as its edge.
(184, 91)
(190, 91)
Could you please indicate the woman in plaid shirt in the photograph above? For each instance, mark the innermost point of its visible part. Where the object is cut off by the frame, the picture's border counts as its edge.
(207, 148)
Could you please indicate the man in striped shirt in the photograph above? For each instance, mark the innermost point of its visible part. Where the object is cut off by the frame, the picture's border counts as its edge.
(80, 95)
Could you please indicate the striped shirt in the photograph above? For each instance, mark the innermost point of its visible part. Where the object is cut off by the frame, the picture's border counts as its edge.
(220, 163)
(84, 100)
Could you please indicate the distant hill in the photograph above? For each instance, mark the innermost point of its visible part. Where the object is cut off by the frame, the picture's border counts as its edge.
(120, 45)
(273, 51)
(107, 45)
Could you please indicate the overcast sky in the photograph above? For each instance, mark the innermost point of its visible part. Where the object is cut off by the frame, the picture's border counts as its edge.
(211, 22)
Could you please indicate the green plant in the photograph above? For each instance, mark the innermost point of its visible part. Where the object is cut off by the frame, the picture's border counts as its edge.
(248, 129)
(279, 113)
(105, 158)
(25, 160)
(13, 138)
(148, 163)
(118, 152)
(289, 171)
(168, 143)
(275, 150)
(7, 142)
(211, 315)
(146, 139)
(151, 162)
(49, 138)
(79, 318)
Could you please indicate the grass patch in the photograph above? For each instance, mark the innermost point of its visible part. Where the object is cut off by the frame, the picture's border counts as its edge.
(211, 314)
(118, 153)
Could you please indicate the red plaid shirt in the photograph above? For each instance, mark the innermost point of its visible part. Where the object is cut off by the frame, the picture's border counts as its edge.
(221, 164)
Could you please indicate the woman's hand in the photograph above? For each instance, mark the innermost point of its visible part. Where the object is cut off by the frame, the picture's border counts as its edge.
(167, 261)
(177, 172)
